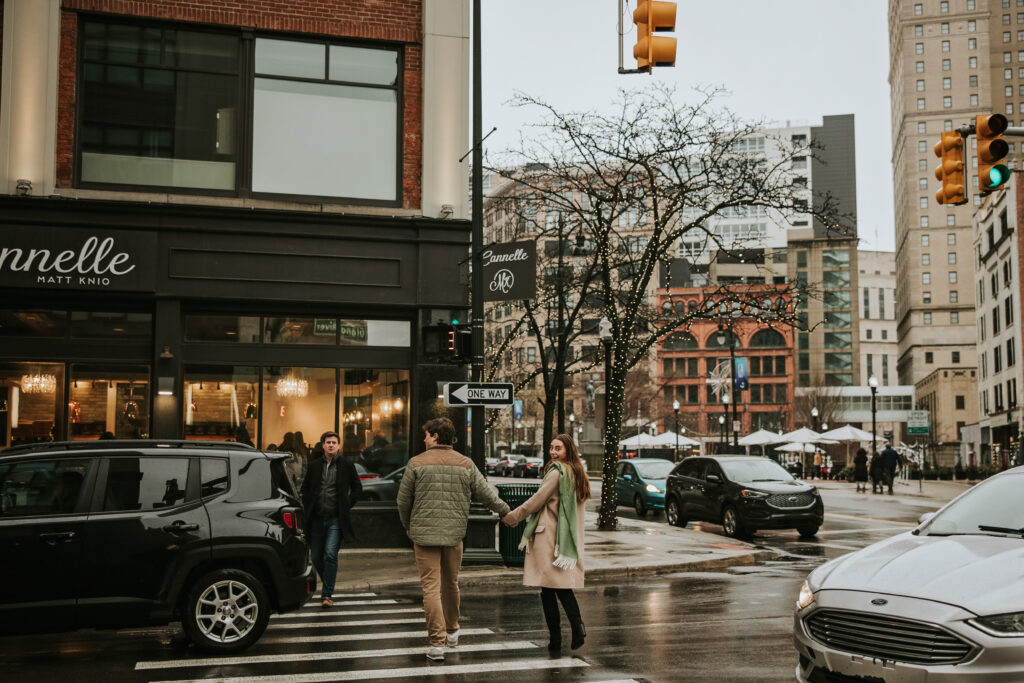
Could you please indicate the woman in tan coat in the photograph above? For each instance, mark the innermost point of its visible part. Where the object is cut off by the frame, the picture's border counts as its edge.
(554, 539)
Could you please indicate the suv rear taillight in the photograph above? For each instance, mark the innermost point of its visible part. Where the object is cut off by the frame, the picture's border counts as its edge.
(364, 477)
(292, 518)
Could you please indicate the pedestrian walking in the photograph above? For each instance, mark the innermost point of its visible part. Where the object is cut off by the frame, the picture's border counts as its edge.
(875, 470)
(433, 505)
(553, 539)
(329, 491)
(860, 470)
(890, 463)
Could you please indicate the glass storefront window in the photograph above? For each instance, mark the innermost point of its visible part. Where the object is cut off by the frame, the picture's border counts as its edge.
(299, 330)
(31, 398)
(298, 406)
(223, 328)
(33, 323)
(374, 418)
(221, 403)
(112, 325)
(108, 401)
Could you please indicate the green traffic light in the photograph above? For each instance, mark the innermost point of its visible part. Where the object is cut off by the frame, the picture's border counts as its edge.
(998, 175)
(456, 322)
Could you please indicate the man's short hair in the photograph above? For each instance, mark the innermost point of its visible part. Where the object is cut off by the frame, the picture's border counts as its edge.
(444, 429)
(325, 435)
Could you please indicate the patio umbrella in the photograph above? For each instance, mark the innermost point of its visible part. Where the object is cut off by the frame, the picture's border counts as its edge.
(668, 440)
(848, 434)
(762, 438)
(802, 435)
(640, 440)
(798, 448)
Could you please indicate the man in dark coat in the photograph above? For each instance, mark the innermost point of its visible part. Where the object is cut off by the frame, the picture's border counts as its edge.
(890, 463)
(329, 491)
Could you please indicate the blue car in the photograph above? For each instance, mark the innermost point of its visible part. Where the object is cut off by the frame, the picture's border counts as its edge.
(640, 482)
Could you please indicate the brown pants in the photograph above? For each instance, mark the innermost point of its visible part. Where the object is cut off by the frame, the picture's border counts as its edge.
(439, 576)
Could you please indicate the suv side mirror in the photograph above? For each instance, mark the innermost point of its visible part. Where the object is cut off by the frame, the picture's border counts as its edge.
(627, 477)
(714, 479)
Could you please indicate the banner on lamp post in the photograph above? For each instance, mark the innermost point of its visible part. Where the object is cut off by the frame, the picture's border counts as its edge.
(742, 374)
(510, 271)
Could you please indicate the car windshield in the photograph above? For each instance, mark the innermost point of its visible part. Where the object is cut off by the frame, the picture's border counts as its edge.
(992, 507)
(754, 470)
(654, 470)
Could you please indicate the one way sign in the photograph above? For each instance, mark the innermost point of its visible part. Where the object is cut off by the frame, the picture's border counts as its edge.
(477, 394)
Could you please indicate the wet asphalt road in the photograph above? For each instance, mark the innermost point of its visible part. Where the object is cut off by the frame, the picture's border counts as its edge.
(733, 625)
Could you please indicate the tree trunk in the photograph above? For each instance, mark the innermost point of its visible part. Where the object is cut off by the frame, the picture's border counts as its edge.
(614, 394)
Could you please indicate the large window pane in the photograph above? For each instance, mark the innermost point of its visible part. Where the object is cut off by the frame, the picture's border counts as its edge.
(838, 340)
(375, 418)
(31, 402)
(290, 58)
(838, 361)
(223, 328)
(835, 258)
(157, 116)
(221, 403)
(836, 279)
(111, 325)
(363, 65)
(22, 323)
(298, 331)
(837, 299)
(298, 406)
(324, 140)
(109, 400)
(837, 319)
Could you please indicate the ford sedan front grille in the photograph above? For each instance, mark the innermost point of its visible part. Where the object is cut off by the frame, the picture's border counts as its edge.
(791, 500)
(884, 637)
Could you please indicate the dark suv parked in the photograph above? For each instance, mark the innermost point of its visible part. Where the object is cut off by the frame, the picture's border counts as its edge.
(743, 494)
(112, 534)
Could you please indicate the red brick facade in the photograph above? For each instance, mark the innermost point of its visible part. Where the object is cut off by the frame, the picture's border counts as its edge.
(397, 21)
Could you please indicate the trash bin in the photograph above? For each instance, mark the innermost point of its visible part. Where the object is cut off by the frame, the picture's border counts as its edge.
(509, 537)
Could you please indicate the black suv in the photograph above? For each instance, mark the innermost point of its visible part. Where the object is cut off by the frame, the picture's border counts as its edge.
(112, 534)
(743, 494)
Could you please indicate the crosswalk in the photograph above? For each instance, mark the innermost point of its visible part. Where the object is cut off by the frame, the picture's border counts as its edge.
(369, 637)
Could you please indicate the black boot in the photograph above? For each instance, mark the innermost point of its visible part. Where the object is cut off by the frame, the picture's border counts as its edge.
(572, 612)
(549, 603)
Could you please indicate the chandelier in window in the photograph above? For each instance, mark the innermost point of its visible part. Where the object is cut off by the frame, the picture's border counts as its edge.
(292, 387)
(38, 383)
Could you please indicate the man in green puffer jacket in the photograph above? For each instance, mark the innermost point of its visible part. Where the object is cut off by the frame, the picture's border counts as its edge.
(433, 504)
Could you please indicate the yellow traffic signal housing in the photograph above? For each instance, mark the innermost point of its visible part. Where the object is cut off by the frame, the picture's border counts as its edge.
(950, 171)
(651, 50)
(992, 175)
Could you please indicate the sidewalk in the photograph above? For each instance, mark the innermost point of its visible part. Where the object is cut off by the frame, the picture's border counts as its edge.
(933, 489)
(635, 548)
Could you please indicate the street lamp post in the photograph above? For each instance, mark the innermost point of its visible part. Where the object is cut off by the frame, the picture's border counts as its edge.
(721, 427)
(814, 418)
(675, 409)
(732, 375)
(572, 426)
(873, 383)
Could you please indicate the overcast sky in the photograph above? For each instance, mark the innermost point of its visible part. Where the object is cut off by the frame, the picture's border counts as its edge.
(788, 60)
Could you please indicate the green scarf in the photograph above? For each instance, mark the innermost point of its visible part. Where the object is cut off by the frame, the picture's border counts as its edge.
(567, 542)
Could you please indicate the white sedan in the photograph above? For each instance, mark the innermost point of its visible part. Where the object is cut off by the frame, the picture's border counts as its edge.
(944, 602)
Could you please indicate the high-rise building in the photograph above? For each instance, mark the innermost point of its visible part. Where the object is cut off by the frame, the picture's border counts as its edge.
(876, 303)
(949, 61)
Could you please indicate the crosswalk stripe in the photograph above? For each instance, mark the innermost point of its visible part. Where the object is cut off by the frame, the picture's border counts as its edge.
(325, 656)
(382, 601)
(369, 636)
(343, 596)
(328, 614)
(363, 622)
(437, 670)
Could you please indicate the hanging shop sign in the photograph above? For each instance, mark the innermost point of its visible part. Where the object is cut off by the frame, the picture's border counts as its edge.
(510, 271)
(62, 258)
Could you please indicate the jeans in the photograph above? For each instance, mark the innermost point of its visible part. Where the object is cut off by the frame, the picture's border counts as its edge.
(439, 577)
(324, 539)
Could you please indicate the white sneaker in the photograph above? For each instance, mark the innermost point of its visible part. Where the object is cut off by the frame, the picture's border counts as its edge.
(452, 639)
(435, 654)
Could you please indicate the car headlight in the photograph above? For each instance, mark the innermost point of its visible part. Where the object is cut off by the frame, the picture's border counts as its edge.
(806, 597)
(750, 493)
(652, 488)
(1001, 625)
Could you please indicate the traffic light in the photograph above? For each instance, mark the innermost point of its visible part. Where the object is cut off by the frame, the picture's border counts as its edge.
(992, 175)
(950, 171)
(651, 50)
(448, 342)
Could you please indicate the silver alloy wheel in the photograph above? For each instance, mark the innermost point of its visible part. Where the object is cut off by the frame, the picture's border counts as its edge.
(672, 512)
(226, 611)
(729, 521)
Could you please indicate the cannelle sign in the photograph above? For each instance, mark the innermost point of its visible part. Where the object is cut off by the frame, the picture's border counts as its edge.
(55, 258)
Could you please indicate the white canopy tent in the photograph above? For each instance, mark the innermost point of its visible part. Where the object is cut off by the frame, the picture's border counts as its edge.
(640, 440)
(668, 440)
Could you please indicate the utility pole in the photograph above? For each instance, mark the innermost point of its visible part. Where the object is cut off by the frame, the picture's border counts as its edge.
(477, 282)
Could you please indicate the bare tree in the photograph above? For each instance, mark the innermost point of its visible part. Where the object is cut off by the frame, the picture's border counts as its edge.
(629, 186)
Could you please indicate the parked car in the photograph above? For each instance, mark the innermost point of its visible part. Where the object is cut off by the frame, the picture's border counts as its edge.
(507, 465)
(743, 494)
(382, 488)
(942, 602)
(490, 465)
(529, 467)
(118, 534)
(640, 482)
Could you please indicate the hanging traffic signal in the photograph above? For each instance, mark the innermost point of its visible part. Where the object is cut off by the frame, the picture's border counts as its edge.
(950, 171)
(992, 175)
(651, 50)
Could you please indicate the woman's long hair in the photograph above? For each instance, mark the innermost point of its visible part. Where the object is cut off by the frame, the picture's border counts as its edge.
(572, 461)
